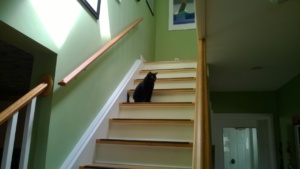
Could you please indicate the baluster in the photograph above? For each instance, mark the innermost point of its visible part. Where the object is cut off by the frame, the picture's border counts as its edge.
(9, 141)
(27, 134)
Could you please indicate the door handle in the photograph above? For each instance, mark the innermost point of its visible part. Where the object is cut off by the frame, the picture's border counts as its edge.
(232, 161)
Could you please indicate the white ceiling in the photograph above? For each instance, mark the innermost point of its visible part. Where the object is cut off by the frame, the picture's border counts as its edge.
(241, 34)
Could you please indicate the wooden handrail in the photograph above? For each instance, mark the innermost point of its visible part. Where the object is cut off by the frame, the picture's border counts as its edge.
(44, 89)
(202, 138)
(19, 104)
(90, 60)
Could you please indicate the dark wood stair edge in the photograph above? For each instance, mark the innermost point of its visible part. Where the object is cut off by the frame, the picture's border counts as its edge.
(171, 61)
(160, 103)
(168, 70)
(157, 104)
(121, 166)
(169, 90)
(170, 79)
(100, 167)
(153, 120)
(145, 142)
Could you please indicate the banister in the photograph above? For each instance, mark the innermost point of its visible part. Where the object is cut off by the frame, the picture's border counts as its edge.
(44, 88)
(90, 60)
(202, 137)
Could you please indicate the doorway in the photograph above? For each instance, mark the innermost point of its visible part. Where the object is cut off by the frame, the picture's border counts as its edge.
(25, 61)
(243, 141)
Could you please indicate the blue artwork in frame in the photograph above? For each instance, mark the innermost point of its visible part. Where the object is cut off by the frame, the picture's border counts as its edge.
(181, 14)
(93, 6)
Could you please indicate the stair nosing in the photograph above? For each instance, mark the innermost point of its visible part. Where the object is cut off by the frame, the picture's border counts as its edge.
(145, 142)
(170, 79)
(153, 121)
(156, 104)
(183, 90)
(125, 166)
(169, 70)
(171, 61)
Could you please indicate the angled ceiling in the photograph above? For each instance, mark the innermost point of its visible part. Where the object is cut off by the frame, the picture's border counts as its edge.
(252, 45)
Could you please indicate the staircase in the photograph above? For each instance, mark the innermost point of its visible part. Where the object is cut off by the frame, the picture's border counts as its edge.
(153, 135)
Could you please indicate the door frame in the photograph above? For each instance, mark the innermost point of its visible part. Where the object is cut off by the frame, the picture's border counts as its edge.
(263, 122)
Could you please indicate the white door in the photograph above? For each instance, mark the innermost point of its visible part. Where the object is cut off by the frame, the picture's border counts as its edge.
(240, 148)
(243, 142)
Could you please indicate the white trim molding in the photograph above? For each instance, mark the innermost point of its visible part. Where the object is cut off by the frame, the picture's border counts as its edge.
(83, 152)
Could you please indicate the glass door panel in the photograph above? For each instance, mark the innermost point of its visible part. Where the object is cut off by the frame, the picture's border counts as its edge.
(240, 148)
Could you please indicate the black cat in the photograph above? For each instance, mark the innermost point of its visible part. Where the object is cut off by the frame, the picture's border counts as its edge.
(144, 89)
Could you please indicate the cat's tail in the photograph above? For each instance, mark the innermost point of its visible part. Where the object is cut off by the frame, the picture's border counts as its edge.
(128, 98)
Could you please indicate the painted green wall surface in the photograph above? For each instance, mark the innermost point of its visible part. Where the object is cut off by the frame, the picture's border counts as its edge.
(283, 104)
(24, 17)
(243, 102)
(289, 98)
(75, 35)
(248, 102)
(181, 44)
(288, 142)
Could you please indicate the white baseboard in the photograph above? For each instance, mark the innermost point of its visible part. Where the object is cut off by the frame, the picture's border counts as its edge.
(83, 152)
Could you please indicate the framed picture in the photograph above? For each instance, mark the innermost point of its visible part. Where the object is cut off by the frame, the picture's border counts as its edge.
(181, 14)
(150, 4)
(93, 6)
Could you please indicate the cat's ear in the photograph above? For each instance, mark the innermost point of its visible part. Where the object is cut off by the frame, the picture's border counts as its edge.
(155, 73)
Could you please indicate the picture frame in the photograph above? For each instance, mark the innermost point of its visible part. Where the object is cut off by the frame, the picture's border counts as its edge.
(150, 4)
(93, 6)
(182, 15)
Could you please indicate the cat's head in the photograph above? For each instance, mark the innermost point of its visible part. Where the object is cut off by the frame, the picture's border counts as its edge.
(151, 76)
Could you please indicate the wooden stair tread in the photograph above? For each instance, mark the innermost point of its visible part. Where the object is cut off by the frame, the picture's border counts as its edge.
(169, 70)
(155, 104)
(120, 166)
(163, 121)
(171, 61)
(187, 90)
(170, 79)
(145, 143)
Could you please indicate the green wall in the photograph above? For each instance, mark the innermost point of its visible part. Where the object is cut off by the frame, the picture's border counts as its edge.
(288, 97)
(181, 44)
(66, 28)
(243, 102)
(248, 102)
(283, 104)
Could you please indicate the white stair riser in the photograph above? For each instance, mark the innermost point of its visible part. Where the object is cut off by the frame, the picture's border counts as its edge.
(171, 97)
(172, 85)
(157, 132)
(170, 74)
(169, 65)
(169, 112)
(144, 155)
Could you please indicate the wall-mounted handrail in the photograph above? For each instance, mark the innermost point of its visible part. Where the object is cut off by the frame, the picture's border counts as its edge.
(202, 138)
(90, 60)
